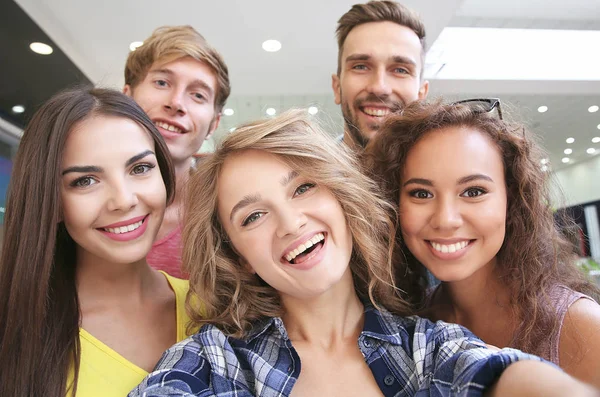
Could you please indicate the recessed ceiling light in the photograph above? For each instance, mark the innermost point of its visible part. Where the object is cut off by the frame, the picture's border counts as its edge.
(543, 109)
(593, 109)
(591, 150)
(596, 139)
(568, 151)
(135, 44)
(228, 112)
(232, 129)
(565, 160)
(570, 140)
(598, 126)
(271, 46)
(41, 48)
(544, 161)
(18, 109)
(271, 111)
(313, 110)
(544, 168)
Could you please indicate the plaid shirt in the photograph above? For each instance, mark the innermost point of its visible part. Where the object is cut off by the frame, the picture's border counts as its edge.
(408, 356)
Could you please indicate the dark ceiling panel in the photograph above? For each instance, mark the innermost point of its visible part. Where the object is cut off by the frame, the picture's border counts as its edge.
(27, 78)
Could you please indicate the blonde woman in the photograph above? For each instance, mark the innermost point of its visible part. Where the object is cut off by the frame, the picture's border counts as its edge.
(288, 247)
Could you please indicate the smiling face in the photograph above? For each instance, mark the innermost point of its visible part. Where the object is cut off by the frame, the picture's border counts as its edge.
(453, 202)
(287, 229)
(179, 97)
(113, 196)
(380, 72)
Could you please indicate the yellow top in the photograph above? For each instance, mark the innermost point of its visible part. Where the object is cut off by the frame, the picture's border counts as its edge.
(105, 373)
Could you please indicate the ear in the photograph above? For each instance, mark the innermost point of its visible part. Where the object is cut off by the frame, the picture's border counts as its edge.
(127, 90)
(214, 124)
(424, 90)
(335, 85)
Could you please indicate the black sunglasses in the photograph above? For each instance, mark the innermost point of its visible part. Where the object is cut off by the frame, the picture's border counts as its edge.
(482, 105)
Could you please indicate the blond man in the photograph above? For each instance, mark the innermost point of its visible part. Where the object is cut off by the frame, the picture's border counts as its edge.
(182, 83)
(381, 54)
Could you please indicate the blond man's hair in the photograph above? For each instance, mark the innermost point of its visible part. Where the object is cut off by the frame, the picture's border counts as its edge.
(169, 43)
(232, 297)
(379, 11)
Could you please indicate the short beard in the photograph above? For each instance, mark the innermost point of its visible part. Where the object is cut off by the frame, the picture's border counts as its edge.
(352, 127)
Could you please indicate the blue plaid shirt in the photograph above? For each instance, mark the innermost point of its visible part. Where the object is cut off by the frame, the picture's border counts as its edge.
(408, 356)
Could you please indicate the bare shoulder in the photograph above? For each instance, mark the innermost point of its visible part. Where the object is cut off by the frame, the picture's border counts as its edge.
(579, 346)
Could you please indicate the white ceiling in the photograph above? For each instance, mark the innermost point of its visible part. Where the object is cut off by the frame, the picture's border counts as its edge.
(96, 36)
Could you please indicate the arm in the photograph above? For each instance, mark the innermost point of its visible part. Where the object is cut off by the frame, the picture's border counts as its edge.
(579, 347)
(532, 378)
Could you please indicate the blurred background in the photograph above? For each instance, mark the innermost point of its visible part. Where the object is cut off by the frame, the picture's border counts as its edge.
(540, 56)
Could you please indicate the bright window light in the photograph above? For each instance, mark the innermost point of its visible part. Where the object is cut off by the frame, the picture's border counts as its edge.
(491, 54)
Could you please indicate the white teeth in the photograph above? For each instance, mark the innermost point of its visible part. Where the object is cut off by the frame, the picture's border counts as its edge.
(168, 127)
(376, 112)
(124, 229)
(304, 246)
(450, 247)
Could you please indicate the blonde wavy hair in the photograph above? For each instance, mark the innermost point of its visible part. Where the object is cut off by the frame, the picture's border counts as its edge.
(232, 297)
(169, 43)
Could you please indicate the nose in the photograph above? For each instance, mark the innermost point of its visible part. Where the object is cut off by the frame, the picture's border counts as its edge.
(447, 215)
(291, 221)
(122, 197)
(174, 102)
(379, 83)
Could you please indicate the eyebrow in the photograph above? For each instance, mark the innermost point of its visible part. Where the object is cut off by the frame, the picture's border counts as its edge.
(94, 168)
(396, 59)
(244, 202)
(461, 181)
(288, 178)
(197, 82)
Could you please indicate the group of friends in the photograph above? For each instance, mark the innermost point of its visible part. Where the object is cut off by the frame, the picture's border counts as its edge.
(309, 258)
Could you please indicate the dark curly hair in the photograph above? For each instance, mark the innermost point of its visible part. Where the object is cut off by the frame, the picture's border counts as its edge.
(535, 251)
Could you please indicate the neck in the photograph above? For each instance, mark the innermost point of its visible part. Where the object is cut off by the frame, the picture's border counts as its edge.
(106, 284)
(182, 175)
(330, 318)
(478, 303)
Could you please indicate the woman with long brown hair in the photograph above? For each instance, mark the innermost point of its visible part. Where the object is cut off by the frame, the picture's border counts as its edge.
(474, 209)
(288, 246)
(80, 310)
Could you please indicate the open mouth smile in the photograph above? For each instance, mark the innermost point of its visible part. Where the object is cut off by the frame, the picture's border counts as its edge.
(304, 250)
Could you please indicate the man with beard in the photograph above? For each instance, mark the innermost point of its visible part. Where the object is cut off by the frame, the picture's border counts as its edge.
(381, 55)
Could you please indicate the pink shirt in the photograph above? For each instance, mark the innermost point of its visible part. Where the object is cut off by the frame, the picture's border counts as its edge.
(165, 254)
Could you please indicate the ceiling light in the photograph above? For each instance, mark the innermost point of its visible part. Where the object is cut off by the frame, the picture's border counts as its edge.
(41, 48)
(313, 110)
(18, 109)
(565, 160)
(271, 46)
(232, 129)
(228, 112)
(598, 126)
(271, 111)
(570, 140)
(591, 150)
(543, 109)
(593, 109)
(135, 44)
(596, 139)
(568, 151)
(544, 161)
(544, 168)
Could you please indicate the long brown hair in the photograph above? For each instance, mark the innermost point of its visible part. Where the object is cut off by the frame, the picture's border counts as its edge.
(535, 255)
(232, 297)
(39, 308)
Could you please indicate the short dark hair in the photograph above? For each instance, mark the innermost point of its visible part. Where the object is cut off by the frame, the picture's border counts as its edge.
(379, 11)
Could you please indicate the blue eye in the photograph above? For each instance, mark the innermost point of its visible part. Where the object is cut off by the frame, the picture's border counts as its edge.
(253, 217)
(305, 187)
